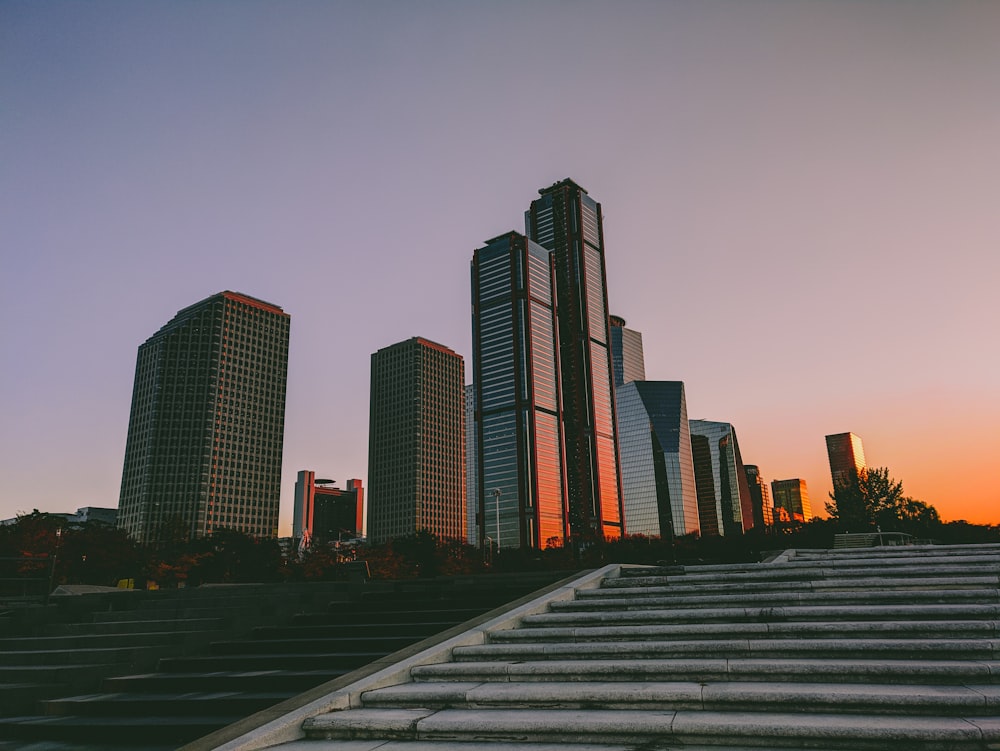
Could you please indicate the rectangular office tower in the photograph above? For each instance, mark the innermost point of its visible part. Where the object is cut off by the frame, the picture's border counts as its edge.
(567, 221)
(416, 442)
(791, 498)
(723, 491)
(657, 467)
(522, 489)
(627, 359)
(847, 458)
(760, 497)
(207, 423)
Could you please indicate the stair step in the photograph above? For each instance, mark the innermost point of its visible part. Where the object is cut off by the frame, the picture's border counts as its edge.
(743, 697)
(103, 655)
(328, 645)
(775, 648)
(629, 588)
(111, 732)
(135, 627)
(930, 672)
(297, 661)
(834, 731)
(187, 704)
(255, 681)
(943, 596)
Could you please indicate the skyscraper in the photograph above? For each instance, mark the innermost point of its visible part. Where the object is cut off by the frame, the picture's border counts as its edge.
(522, 489)
(793, 497)
(728, 482)
(847, 457)
(626, 353)
(416, 443)
(567, 221)
(207, 423)
(657, 469)
(760, 497)
(471, 466)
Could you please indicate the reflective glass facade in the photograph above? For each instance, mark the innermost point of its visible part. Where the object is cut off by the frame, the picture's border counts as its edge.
(792, 497)
(722, 483)
(847, 457)
(416, 442)
(627, 359)
(658, 478)
(521, 480)
(760, 497)
(568, 222)
(207, 424)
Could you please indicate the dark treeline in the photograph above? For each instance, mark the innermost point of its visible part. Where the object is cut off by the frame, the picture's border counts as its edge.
(40, 546)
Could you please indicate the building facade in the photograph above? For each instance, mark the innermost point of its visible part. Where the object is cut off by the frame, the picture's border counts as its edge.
(723, 491)
(627, 361)
(760, 498)
(471, 466)
(325, 513)
(206, 428)
(416, 444)
(520, 464)
(568, 222)
(847, 457)
(791, 497)
(658, 478)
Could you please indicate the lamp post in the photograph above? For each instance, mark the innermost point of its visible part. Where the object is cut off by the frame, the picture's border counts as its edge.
(496, 494)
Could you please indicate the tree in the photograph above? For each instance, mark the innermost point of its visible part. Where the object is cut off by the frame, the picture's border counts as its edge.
(874, 500)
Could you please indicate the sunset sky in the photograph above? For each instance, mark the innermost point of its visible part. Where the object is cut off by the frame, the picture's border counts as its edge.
(800, 199)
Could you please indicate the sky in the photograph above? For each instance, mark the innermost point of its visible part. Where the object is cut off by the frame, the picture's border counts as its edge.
(800, 202)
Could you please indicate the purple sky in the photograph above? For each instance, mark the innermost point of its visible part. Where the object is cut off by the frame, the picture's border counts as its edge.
(800, 207)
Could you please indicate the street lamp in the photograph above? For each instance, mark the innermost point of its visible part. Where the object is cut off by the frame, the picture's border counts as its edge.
(496, 494)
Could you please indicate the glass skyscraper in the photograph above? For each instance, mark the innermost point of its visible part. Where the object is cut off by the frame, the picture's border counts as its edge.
(658, 477)
(627, 359)
(416, 442)
(722, 482)
(793, 497)
(847, 457)
(567, 221)
(207, 424)
(760, 497)
(522, 488)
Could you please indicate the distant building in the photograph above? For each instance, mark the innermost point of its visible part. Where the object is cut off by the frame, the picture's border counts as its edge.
(792, 497)
(847, 457)
(471, 466)
(323, 512)
(760, 497)
(416, 444)
(723, 491)
(658, 477)
(568, 222)
(84, 515)
(521, 494)
(627, 360)
(207, 425)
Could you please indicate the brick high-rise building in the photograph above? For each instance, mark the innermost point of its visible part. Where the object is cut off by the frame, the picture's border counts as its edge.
(207, 424)
(567, 221)
(416, 442)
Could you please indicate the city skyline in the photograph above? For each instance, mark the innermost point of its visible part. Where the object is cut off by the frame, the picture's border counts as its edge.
(807, 253)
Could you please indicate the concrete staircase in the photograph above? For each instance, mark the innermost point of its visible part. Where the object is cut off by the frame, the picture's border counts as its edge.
(183, 694)
(880, 648)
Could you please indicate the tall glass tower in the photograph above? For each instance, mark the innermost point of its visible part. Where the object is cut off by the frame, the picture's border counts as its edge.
(627, 359)
(847, 458)
(658, 476)
(722, 481)
(522, 488)
(567, 221)
(207, 424)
